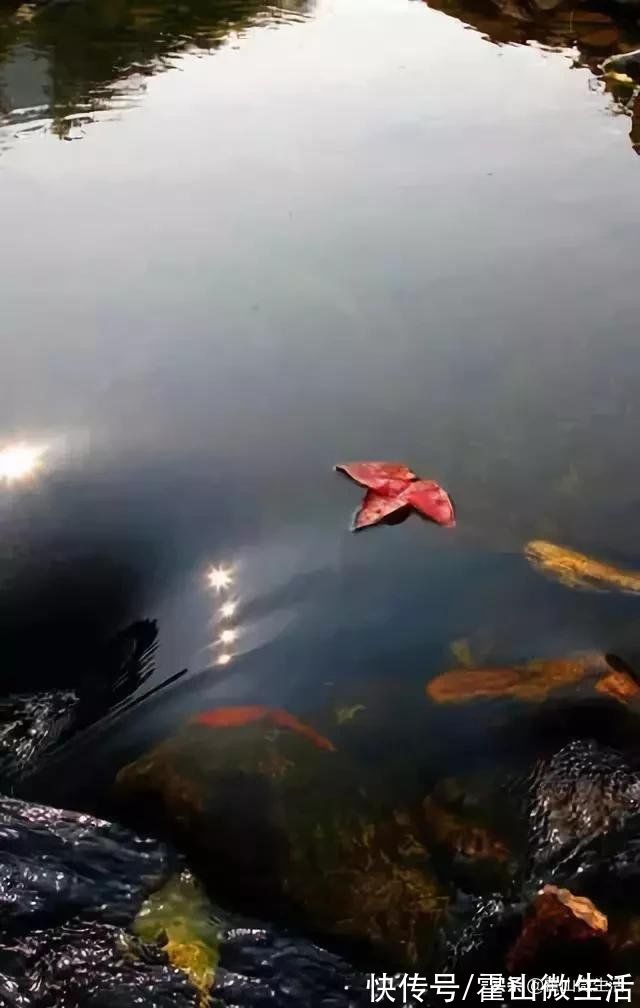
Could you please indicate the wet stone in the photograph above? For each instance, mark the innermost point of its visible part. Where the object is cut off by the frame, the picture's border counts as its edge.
(285, 828)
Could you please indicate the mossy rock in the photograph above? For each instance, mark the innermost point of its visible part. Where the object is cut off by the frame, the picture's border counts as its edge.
(281, 826)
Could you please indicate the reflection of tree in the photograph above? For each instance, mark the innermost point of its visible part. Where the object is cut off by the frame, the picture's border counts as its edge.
(97, 50)
(120, 669)
(594, 33)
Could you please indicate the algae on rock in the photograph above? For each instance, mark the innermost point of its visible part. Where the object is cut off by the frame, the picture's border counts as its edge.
(283, 826)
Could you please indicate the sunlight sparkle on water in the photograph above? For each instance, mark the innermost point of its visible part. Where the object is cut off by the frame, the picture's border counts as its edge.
(224, 659)
(228, 636)
(220, 578)
(228, 609)
(20, 461)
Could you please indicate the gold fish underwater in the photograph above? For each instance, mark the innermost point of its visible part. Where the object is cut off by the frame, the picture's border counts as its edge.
(575, 570)
(619, 685)
(238, 717)
(530, 682)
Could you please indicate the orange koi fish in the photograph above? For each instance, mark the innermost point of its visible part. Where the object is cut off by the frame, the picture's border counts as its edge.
(236, 717)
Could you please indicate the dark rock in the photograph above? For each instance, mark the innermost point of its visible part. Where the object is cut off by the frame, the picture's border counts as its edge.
(583, 801)
(261, 967)
(624, 63)
(74, 899)
(29, 723)
(54, 863)
(89, 964)
(560, 929)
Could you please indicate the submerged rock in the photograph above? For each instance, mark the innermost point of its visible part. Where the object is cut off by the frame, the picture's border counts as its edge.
(570, 908)
(554, 922)
(279, 824)
(585, 794)
(463, 837)
(261, 967)
(29, 724)
(480, 931)
(464, 844)
(95, 916)
(624, 63)
(90, 964)
(69, 886)
(52, 859)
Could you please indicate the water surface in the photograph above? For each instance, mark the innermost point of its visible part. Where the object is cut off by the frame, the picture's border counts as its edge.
(241, 244)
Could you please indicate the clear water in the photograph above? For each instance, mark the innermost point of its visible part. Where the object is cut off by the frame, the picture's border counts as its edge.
(241, 244)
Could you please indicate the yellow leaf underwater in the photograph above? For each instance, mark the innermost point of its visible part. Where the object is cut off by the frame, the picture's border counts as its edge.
(344, 714)
(575, 570)
(619, 78)
(25, 13)
(461, 651)
(179, 916)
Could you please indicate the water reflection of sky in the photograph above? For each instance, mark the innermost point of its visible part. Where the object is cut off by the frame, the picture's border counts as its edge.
(369, 234)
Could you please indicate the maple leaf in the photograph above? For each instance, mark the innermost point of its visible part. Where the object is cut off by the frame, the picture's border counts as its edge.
(393, 488)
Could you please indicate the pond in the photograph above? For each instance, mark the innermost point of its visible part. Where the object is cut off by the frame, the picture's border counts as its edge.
(242, 244)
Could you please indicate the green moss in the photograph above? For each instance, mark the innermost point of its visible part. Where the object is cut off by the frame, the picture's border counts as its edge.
(262, 805)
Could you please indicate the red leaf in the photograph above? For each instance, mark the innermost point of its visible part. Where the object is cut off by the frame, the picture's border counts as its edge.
(386, 478)
(391, 487)
(431, 501)
(375, 508)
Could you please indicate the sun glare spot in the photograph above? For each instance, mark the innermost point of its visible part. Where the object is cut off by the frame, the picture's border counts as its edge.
(20, 461)
(220, 578)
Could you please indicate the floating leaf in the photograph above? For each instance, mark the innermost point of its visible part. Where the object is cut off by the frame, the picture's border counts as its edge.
(236, 717)
(432, 501)
(575, 570)
(393, 488)
(376, 475)
(375, 508)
